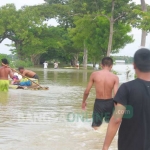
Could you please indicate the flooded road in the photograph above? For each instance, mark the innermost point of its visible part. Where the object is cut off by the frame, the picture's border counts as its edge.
(53, 119)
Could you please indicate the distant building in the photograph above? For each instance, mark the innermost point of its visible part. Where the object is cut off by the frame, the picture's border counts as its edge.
(120, 62)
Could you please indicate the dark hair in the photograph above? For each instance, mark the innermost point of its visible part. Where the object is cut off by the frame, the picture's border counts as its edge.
(107, 61)
(5, 61)
(20, 68)
(142, 59)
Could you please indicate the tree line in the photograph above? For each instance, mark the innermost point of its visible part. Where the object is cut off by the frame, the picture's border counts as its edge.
(87, 31)
(128, 59)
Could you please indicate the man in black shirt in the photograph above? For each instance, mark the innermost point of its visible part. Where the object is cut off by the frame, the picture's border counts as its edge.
(132, 111)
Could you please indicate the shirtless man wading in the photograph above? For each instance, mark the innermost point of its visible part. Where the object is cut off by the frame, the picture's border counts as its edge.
(4, 73)
(105, 84)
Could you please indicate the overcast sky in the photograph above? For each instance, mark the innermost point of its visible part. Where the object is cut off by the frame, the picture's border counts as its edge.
(128, 50)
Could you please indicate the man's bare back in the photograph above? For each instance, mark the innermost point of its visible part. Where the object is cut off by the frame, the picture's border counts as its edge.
(28, 73)
(104, 82)
(5, 72)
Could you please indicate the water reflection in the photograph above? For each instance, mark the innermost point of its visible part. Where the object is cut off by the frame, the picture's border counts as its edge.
(45, 74)
(85, 76)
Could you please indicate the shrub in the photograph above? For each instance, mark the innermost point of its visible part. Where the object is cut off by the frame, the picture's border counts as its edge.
(18, 63)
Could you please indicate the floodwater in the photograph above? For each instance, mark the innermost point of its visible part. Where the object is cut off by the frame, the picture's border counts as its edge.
(53, 119)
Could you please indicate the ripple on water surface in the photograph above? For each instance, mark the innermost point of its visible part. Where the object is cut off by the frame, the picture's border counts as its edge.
(51, 120)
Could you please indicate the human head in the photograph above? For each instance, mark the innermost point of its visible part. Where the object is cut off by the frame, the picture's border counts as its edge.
(4, 61)
(21, 69)
(142, 60)
(107, 62)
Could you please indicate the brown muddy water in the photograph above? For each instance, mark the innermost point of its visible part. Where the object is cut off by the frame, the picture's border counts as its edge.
(53, 120)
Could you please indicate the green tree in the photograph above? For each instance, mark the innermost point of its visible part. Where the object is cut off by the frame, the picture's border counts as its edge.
(16, 25)
(4, 56)
(60, 46)
(142, 19)
(62, 12)
(95, 34)
(115, 11)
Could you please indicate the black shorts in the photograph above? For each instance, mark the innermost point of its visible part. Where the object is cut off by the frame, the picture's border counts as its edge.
(35, 76)
(103, 109)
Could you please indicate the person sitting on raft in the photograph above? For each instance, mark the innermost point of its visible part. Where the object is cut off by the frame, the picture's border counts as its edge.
(28, 73)
(22, 82)
(15, 80)
(5, 71)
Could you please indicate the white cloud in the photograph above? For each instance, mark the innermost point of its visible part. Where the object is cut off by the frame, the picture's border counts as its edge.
(19, 3)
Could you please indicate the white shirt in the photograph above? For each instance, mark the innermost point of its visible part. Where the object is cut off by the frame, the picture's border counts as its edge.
(45, 64)
(19, 76)
(55, 65)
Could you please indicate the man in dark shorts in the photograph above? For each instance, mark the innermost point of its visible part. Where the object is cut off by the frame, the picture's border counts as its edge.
(28, 73)
(132, 112)
(105, 83)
